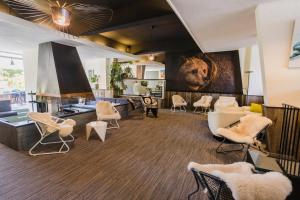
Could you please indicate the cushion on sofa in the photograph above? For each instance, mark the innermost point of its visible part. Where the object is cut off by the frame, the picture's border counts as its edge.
(257, 108)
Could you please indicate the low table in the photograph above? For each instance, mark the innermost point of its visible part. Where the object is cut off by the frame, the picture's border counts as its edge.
(99, 127)
(263, 162)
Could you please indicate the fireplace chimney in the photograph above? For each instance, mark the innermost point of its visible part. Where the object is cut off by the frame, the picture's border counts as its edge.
(60, 73)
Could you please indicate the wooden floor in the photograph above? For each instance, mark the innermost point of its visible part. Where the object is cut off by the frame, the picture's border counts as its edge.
(145, 159)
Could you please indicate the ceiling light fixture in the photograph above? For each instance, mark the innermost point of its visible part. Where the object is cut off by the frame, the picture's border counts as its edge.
(151, 57)
(61, 16)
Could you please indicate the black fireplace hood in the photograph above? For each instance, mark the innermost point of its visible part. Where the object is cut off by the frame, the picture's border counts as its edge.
(61, 73)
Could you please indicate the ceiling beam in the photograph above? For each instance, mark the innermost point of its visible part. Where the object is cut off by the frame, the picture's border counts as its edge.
(143, 22)
(101, 40)
(164, 46)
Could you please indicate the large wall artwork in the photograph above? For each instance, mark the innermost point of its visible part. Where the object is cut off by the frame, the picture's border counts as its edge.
(198, 72)
(295, 50)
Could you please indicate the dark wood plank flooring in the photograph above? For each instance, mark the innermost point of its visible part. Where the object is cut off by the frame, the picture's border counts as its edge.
(145, 159)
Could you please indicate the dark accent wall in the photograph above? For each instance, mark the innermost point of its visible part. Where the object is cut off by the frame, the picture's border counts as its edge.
(69, 69)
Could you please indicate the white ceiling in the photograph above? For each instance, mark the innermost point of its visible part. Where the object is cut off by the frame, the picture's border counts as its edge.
(219, 25)
(17, 35)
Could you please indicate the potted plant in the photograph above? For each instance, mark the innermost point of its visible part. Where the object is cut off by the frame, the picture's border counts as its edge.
(128, 72)
(95, 80)
(144, 83)
(116, 79)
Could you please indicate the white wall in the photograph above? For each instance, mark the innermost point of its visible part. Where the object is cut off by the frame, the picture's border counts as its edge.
(244, 61)
(99, 67)
(250, 61)
(255, 82)
(275, 27)
(30, 62)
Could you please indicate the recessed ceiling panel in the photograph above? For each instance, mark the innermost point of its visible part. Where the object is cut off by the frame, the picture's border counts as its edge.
(218, 25)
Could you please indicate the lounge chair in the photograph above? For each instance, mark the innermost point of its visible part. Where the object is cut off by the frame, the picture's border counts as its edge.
(48, 125)
(225, 101)
(204, 103)
(239, 181)
(107, 112)
(178, 102)
(243, 132)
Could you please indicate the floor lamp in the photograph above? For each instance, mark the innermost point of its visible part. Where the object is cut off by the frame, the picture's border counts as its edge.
(248, 72)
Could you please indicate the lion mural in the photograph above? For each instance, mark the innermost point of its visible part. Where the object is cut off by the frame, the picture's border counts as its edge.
(196, 73)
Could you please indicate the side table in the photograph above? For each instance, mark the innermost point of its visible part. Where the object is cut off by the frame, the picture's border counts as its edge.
(99, 127)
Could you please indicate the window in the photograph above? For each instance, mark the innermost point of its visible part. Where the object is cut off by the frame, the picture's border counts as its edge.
(12, 83)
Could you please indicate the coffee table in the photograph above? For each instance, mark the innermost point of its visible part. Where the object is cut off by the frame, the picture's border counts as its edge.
(99, 127)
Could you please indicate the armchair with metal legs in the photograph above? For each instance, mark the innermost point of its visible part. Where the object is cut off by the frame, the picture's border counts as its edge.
(238, 180)
(107, 112)
(204, 104)
(113, 124)
(214, 186)
(178, 102)
(243, 133)
(48, 125)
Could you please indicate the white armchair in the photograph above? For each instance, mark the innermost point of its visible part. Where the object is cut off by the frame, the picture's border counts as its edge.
(48, 125)
(243, 132)
(178, 102)
(224, 102)
(223, 118)
(204, 103)
(107, 112)
(239, 180)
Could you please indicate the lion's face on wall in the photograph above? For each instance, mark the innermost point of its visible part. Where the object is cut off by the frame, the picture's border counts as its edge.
(195, 73)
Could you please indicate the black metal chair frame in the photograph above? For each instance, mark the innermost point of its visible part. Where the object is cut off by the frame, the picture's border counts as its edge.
(137, 106)
(200, 178)
(222, 188)
(220, 148)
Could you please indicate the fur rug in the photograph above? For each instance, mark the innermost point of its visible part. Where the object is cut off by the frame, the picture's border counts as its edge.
(248, 186)
(246, 130)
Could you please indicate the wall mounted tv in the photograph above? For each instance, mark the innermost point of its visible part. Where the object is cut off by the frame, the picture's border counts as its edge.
(194, 71)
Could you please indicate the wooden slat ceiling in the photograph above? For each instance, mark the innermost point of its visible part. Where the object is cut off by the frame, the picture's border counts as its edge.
(142, 25)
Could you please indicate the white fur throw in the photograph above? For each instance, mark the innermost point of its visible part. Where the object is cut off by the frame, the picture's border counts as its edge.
(245, 185)
(104, 108)
(246, 130)
(66, 128)
(238, 167)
